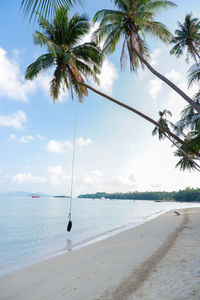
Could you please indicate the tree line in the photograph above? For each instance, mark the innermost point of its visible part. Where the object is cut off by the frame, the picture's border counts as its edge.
(186, 195)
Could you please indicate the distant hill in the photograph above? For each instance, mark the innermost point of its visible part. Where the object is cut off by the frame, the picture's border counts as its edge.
(23, 194)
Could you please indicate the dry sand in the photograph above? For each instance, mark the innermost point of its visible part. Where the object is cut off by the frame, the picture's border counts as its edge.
(159, 260)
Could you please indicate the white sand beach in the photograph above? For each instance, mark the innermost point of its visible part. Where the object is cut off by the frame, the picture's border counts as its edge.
(157, 260)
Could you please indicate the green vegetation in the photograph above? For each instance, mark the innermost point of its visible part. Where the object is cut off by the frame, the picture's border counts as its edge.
(187, 195)
(130, 22)
(62, 196)
(133, 21)
(44, 8)
(72, 61)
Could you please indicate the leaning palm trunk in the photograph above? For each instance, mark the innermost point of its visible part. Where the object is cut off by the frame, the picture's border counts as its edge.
(196, 166)
(141, 115)
(168, 82)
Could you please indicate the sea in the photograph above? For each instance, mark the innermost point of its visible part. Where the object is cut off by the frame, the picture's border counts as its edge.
(32, 230)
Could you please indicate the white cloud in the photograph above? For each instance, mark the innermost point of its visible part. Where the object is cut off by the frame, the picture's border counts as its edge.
(20, 178)
(107, 77)
(57, 175)
(61, 147)
(40, 137)
(173, 75)
(58, 147)
(81, 142)
(12, 84)
(15, 120)
(154, 87)
(25, 139)
(92, 177)
(12, 137)
(128, 181)
(155, 56)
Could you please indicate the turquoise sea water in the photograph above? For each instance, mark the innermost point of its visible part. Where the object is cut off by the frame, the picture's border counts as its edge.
(34, 229)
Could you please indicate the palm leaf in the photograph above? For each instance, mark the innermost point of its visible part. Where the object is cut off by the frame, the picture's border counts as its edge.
(44, 62)
(45, 8)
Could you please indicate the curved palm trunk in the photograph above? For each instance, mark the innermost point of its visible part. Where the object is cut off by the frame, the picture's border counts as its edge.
(197, 167)
(141, 115)
(168, 82)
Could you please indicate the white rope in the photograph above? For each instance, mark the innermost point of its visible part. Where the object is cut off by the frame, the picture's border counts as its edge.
(73, 158)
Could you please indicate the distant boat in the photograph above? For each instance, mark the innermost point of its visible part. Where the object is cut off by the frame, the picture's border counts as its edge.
(36, 196)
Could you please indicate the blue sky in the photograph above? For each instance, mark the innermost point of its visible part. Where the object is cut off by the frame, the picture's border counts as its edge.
(115, 150)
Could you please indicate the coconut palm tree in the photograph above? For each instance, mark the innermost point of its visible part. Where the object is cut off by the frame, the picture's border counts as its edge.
(187, 157)
(161, 134)
(186, 162)
(189, 118)
(194, 74)
(44, 8)
(132, 20)
(187, 37)
(157, 124)
(72, 61)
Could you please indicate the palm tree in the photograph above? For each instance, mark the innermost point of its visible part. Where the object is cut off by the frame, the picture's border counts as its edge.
(187, 37)
(194, 74)
(186, 162)
(189, 118)
(130, 108)
(161, 134)
(44, 8)
(72, 61)
(132, 21)
(187, 157)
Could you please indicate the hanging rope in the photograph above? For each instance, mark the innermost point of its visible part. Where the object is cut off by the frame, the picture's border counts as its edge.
(69, 226)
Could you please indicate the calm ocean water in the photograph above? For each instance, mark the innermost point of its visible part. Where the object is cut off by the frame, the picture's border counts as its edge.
(34, 229)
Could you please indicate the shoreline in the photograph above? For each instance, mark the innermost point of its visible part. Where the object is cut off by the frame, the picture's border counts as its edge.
(79, 245)
(13, 267)
(100, 269)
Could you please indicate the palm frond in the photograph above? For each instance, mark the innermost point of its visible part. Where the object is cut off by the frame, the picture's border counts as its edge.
(194, 74)
(158, 30)
(185, 163)
(74, 62)
(187, 36)
(44, 62)
(160, 5)
(45, 8)
(133, 20)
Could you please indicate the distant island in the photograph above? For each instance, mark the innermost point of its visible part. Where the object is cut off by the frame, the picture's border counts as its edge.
(62, 196)
(186, 195)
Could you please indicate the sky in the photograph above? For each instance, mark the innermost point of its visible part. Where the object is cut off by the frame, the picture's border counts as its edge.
(115, 150)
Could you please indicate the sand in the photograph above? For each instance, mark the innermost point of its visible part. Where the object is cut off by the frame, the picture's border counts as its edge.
(159, 260)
